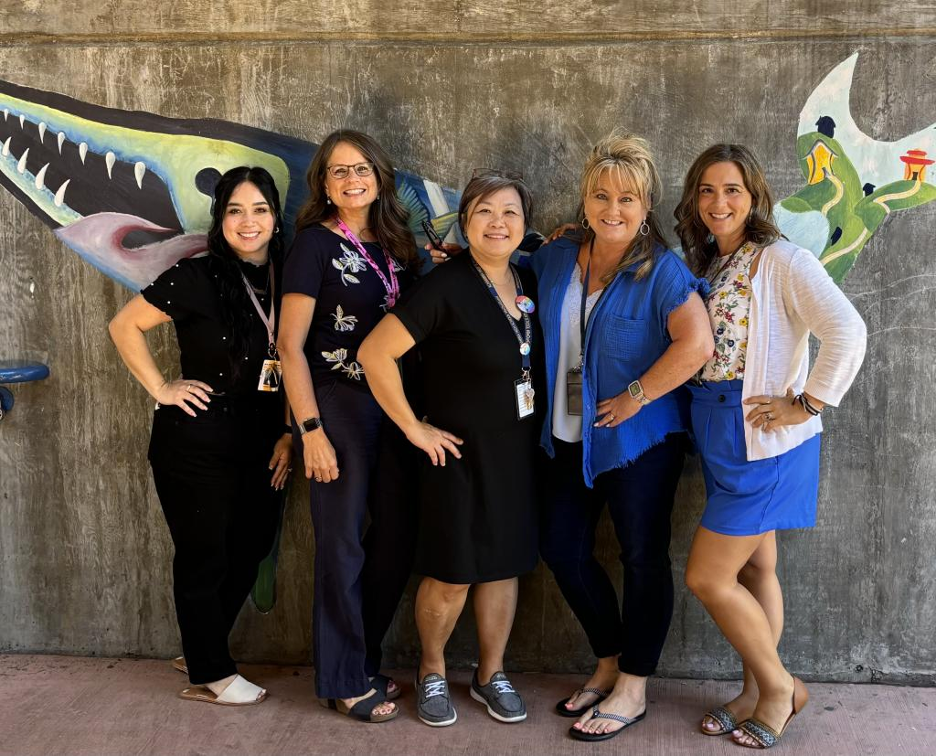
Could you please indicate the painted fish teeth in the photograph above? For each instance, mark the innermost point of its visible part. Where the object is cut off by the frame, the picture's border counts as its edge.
(110, 158)
(42, 131)
(60, 194)
(82, 151)
(22, 122)
(21, 165)
(40, 177)
(61, 141)
(6, 147)
(139, 171)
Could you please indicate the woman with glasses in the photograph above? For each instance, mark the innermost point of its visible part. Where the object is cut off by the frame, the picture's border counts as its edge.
(474, 323)
(351, 258)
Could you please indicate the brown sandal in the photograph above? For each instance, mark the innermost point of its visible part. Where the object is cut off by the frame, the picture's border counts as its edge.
(766, 736)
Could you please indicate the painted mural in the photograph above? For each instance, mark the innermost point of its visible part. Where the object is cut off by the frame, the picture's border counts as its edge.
(130, 191)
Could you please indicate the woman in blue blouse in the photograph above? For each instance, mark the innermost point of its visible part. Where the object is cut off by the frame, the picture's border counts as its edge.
(625, 327)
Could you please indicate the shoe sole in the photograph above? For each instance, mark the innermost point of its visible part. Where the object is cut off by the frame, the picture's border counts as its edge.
(508, 720)
(444, 723)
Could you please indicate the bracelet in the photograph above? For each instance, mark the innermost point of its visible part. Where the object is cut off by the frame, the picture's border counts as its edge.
(804, 403)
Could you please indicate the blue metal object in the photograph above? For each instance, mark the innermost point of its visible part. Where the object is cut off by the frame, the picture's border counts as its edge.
(18, 372)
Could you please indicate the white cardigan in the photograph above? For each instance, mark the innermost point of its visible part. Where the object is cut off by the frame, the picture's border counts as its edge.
(791, 296)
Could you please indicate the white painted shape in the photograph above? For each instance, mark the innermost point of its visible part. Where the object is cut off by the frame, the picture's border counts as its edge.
(6, 147)
(42, 131)
(22, 121)
(40, 177)
(82, 151)
(110, 158)
(60, 194)
(139, 170)
(21, 165)
(436, 198)
(61, 141)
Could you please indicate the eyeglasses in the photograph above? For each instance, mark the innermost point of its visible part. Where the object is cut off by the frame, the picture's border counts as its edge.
(496, 173)
(343, 171)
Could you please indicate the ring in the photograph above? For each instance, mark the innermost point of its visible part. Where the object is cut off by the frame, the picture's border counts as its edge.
(769, 416)
(289, 469)
(318, 480)
(611, 415)
(188, 386)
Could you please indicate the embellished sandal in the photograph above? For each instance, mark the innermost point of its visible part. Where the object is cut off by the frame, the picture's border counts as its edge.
(725, 719)
(766, 736)
(363, 710)
(598, 714)
(561, 706)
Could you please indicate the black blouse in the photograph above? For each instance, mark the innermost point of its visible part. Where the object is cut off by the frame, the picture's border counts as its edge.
(188, 293)
(350, 299)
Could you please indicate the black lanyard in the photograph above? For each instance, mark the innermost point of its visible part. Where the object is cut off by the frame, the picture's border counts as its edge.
(582, 321)
(525, 340)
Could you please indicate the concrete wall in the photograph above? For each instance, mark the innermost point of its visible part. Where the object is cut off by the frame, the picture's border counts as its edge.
(448, 86)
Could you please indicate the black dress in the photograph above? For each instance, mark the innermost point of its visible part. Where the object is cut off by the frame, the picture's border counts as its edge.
(478, 519)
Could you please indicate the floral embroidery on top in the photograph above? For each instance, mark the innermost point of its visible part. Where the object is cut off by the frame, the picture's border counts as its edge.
(352, 369)
(729, 306)
(343, 322)
(349, 263)
(397, 267)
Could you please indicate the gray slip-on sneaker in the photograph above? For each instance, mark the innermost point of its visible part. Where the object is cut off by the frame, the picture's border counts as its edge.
(434, 706)
(502, 701)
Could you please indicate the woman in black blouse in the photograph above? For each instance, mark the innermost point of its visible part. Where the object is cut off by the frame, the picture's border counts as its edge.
(346, 268)
(215, 428)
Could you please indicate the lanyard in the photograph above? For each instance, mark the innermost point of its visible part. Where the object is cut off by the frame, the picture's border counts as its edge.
(526, 339)
(582, 321)
(393, 285)
(268, 320)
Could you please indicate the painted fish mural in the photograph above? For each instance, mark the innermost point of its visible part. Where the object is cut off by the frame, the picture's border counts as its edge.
(131, 191)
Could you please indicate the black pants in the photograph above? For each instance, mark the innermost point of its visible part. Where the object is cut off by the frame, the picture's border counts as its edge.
(640, 501)
(213, 482)
(360, 572)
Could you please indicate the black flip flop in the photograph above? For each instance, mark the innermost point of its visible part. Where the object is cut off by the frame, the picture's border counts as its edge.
(563, 711)
(598, 714)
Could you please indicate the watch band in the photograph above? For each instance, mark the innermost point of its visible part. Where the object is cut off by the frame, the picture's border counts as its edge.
(309, 424)
(636, 391)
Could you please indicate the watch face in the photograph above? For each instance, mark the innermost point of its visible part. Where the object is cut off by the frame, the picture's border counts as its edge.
(634, 389)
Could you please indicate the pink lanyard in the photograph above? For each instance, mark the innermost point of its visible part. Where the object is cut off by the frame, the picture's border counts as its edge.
(268, 320)
(393, 285)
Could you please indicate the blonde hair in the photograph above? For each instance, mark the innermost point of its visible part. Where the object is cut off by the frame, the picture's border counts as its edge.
(627, 159)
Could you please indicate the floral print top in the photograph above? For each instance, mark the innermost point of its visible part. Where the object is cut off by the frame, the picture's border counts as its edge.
(729, 305)
(350, 299)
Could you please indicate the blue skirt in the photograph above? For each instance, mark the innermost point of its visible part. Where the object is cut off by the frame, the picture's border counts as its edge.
(748, 498)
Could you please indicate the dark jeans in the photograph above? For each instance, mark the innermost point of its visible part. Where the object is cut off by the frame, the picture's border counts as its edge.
(359, 577)
(640, 501)
(213, 484)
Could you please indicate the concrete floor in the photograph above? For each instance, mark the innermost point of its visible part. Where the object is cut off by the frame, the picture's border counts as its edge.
(69, 705)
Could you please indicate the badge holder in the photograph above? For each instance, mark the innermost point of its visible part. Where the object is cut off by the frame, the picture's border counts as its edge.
(574, 404)
(525, 395)
(271, 373)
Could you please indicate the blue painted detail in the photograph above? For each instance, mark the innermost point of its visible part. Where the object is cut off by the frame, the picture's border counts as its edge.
(6, 401)
(22, 372)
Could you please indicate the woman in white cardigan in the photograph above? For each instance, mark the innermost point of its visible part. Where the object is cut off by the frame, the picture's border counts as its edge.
(756, 418)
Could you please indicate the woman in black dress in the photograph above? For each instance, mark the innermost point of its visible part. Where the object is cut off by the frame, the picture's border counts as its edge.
(479, 347)
(214, 430)
(346, 268)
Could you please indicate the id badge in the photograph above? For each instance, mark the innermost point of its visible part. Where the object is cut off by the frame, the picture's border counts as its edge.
(271, 375)
(574, 392)
(525, 392)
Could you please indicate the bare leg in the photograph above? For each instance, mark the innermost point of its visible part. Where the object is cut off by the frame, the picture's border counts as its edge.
(628, 699)
(495, 605)
(759, 576)
(438, 606)
(715, 561)
(603, 678)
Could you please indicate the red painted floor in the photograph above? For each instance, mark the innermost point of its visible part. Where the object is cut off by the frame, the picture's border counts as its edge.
(68, 705)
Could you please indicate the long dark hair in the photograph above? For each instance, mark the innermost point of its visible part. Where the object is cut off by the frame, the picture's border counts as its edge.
(223, 261)
(761, 228)
(387, 217)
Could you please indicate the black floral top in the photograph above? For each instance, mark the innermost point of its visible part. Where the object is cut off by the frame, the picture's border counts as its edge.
(350, 299)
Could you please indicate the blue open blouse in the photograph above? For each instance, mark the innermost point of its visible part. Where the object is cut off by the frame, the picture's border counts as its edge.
(626, 334)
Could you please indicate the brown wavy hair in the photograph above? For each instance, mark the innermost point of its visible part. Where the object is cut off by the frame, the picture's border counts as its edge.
(627, 158)
(387, 217)
(760, 228)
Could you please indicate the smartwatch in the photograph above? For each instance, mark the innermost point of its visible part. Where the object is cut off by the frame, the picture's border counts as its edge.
(309, 424)
(636, 391)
